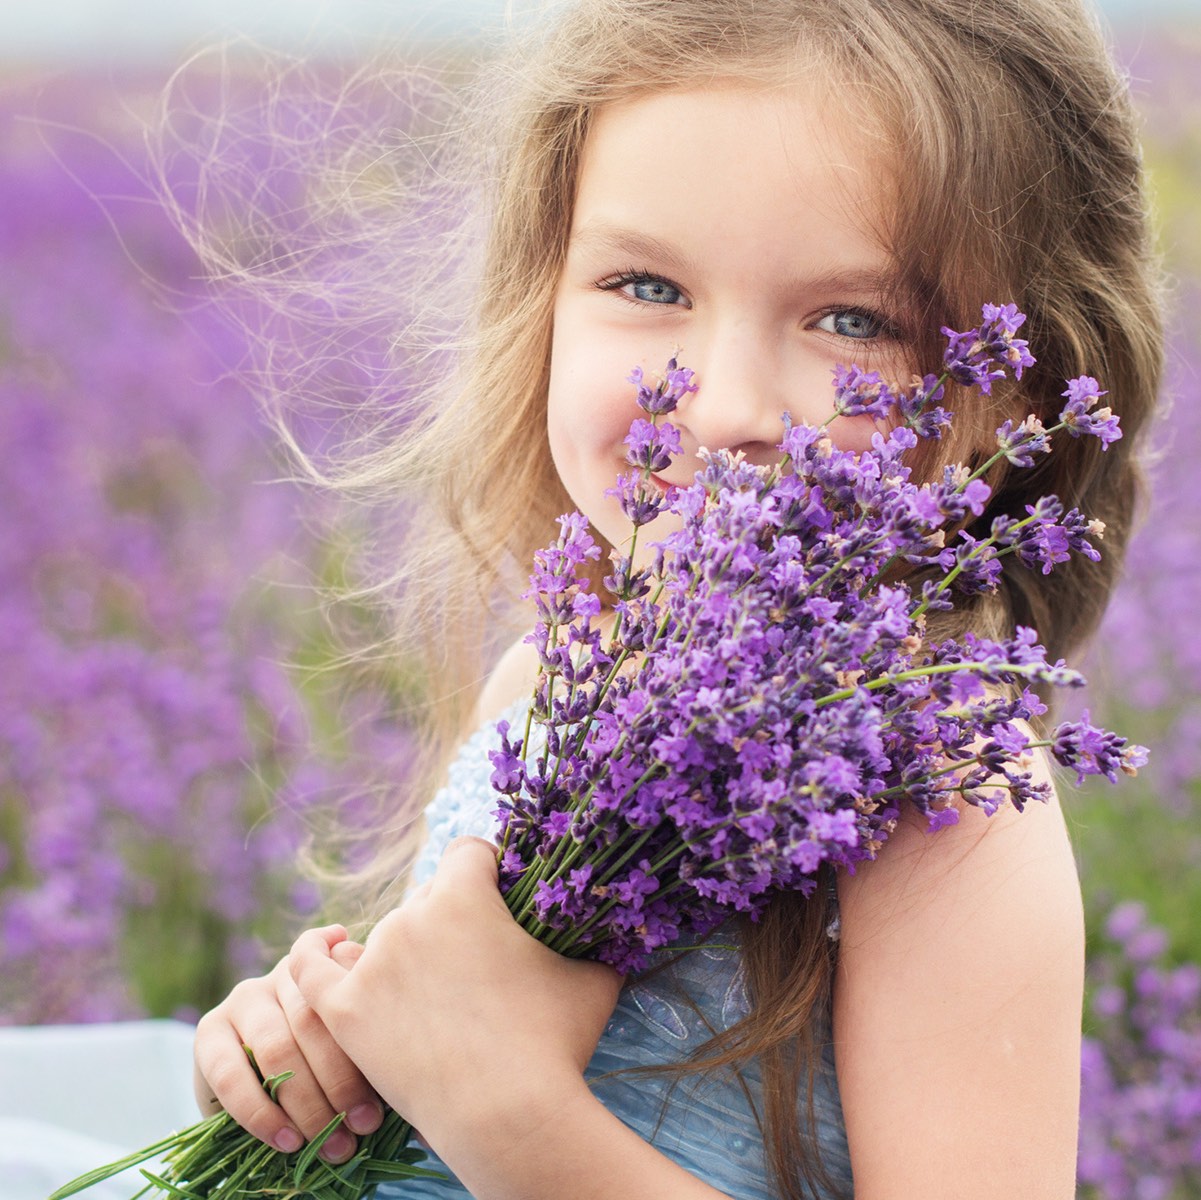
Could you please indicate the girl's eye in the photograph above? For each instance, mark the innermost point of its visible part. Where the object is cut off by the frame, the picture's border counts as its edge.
(655, 291)
(855, 323)
(640, 288)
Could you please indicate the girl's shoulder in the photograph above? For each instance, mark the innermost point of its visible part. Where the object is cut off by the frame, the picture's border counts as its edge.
(512, 679)
(971, 865)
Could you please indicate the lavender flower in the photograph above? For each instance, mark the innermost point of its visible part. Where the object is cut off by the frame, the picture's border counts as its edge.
(668, 390)
(1020, 443)
(767, 703)
(1079, 419)
(980, 356)
(861, 393)
(157, 771)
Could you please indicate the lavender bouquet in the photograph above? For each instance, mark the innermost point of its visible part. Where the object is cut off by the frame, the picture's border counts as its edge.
(756, 703)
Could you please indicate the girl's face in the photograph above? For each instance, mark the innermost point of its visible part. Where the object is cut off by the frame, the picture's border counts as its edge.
(745, 228)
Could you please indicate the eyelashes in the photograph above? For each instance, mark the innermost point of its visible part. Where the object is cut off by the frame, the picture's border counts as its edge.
(657, 290)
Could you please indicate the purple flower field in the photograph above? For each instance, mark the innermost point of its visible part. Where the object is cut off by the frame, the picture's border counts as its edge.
(157, 754)
(170, 715)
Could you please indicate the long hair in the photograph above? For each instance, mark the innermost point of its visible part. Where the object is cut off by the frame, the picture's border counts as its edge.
(1008, 149)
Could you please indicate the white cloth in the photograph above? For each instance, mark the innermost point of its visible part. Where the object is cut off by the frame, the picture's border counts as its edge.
(74, 1097)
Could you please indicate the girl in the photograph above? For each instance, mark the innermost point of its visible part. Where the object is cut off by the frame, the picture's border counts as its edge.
(775, 186)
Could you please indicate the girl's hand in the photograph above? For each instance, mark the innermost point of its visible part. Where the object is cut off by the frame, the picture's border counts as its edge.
(270, 1016)
(454, 1013)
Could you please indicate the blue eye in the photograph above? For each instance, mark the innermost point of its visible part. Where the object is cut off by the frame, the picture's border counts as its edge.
(855, 323)
(654, 291)
(641, 287)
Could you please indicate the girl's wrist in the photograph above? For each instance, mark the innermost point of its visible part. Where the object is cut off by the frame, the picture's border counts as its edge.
(500, 1138)
(546, 1140)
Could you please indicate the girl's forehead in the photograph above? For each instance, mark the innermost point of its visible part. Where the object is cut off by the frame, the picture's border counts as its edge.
(737, 163)
(814, 107)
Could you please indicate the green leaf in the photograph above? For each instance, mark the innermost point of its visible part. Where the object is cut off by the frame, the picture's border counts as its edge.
(272, 1084)
(216, 1159)
(170, 1188)
(309, 1153)
(383, 1168)
(173, 1142)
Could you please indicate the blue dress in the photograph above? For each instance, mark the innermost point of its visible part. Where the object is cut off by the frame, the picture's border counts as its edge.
(705, 1124)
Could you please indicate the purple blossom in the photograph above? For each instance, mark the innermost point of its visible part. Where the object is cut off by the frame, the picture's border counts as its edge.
(1092, 751)
(1080, 417)
(780, 701)
(861, 393)
(667, 392)
(157, 766)
(651, 446)
(920, 410)
(980, 356)
(640, 501)
(1020, 443)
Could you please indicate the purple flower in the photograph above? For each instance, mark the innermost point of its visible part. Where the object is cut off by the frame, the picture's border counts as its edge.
(668, 391)
(861, 393)
(640, 501)
(1080, 419)
(1141, 1066)
(920, 411)
(980, 356)
(650, 446)
(779, 701)
(1093, 751)
(1022, 442)
(155, 755)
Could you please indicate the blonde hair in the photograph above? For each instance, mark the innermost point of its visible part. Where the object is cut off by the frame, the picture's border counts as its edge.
(1009, 145)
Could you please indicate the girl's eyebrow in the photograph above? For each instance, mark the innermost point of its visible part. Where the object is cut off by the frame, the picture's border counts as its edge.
(604, 237)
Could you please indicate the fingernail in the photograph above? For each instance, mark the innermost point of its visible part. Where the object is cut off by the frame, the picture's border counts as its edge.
(287, 1141)
(338, 1145)
(364, 1118)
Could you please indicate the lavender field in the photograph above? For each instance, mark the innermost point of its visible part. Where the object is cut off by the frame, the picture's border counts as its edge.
(172, 711)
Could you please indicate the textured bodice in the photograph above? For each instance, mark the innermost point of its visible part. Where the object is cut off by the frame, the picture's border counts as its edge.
(706, 1124)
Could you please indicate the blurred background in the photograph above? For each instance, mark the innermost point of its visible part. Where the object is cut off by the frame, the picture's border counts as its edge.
(174, 708)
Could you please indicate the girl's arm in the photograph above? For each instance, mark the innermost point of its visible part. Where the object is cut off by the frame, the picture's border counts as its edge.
(479, 1035)
(958, 1011)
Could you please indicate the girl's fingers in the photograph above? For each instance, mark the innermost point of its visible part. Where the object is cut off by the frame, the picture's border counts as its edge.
(271, 1017)
(467, 862)
(346, 954)
(302, 1097)
(313, 968)
(340, 1085)
(225, 1079)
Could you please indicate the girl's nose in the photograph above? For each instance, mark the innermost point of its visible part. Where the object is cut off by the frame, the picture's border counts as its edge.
(741, 398)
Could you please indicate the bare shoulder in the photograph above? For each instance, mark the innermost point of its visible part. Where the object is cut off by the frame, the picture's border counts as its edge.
(959, 992)
(963, 870)
(511, 679)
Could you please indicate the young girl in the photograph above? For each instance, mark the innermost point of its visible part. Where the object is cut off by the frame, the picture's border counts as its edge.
(774, 186)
